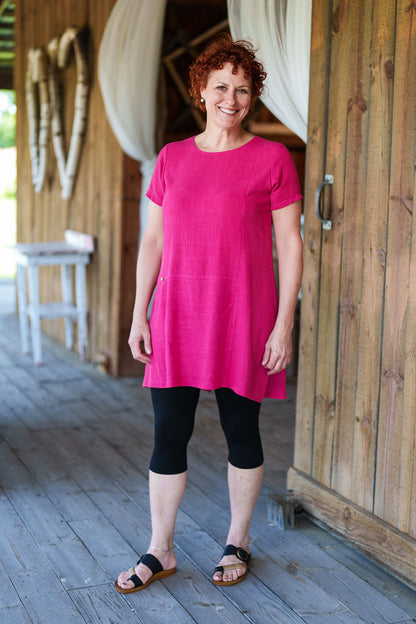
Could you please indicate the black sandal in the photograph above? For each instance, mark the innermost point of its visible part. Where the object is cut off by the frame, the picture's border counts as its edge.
(155, 566)
(242, 555)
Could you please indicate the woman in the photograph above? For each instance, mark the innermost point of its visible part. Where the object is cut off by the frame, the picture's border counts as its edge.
(214, 323)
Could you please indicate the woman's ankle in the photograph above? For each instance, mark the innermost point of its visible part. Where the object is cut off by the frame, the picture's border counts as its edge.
(239, 541)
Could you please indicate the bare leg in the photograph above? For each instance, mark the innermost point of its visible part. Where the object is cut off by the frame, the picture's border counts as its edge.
(166, 492)
(244, 487)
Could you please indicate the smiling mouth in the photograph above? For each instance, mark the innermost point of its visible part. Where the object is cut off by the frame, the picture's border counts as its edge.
(228, 111)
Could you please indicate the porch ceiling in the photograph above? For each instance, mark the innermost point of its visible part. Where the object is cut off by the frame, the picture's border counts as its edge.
(7, 18)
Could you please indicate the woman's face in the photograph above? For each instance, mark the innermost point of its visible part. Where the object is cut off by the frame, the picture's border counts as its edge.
(227, 96)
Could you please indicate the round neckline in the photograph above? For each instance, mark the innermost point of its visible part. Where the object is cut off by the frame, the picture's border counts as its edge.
(233, 149)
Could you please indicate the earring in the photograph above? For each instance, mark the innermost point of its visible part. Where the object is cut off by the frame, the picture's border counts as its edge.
(202, 99)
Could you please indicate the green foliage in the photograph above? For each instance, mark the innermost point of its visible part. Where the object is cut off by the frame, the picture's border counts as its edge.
(7, 118)
(10, 191)
(7, 130)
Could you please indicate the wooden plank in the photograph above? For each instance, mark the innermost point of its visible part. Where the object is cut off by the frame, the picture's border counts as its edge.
(68, 556)
(130, 222)
(375, 206)
(343, 52)
(332, 576)
(45, 599)
(19, 551)
(9, 598)
(14, 615)
(392, 421)
(315, 169)
(372, 535)
(104, 605)
(407, 492)
(104, 540)
(108, 160)
(372, 573)
(407, 487)
(351, 258)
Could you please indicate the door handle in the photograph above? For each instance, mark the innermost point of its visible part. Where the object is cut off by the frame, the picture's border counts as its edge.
(326, 223)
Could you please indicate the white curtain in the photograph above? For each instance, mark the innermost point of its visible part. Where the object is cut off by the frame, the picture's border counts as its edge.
(128, 70)
(281, 31)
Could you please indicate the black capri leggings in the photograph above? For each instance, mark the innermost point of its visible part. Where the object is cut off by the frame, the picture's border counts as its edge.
(175, 409)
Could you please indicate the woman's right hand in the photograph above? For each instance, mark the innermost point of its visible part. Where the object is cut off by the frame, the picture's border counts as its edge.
(140, 341)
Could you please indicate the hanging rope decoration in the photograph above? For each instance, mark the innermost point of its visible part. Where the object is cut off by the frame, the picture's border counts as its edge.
(38, 109)
(55, 61)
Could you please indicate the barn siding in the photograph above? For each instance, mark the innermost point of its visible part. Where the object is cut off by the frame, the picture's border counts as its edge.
(355, 449)
(96, 204)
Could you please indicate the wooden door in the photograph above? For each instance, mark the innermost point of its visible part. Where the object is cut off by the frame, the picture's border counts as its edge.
(355, 450)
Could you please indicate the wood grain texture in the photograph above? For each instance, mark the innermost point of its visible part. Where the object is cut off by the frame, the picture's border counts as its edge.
(344, 41)
(95, 205)
(352, 252)
(394, 549)
(315, 169)
(356, 416)
(394, 425)
(375, 207)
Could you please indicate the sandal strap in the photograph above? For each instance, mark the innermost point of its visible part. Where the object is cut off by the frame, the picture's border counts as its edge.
(240, 553)
(231, 566)
(151, 562)
(136, 580)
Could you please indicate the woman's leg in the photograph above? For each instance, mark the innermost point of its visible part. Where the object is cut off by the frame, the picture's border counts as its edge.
(239, 419)
(174, 420)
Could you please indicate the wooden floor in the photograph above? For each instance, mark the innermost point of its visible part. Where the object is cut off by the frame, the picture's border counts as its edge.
(74, 512)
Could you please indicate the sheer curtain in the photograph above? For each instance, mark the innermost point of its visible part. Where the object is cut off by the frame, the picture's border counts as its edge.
(128, 70)
(281, 31)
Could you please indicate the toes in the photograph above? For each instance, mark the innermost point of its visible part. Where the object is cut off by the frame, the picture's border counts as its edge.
(124, 581)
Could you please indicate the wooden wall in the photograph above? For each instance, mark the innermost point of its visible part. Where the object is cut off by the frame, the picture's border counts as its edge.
(97, 205)
(355, 456)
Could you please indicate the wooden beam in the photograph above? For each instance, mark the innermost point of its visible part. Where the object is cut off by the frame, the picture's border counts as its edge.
(377, 539)
(196, 114)
(197, 40)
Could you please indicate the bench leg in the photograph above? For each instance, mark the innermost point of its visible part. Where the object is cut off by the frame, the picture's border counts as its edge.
(34, 311)
(22, 303)
(81, 294)
(67, 298)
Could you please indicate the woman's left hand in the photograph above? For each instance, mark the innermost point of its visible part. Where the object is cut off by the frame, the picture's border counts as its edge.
(278, 351)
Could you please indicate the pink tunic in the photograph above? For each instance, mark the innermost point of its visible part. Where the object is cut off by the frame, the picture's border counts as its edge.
(215, 302)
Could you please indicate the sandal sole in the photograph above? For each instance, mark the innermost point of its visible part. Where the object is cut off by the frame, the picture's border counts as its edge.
(156, 577)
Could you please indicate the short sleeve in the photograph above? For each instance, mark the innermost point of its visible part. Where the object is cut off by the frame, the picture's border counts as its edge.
(157, 187)
(284, 179)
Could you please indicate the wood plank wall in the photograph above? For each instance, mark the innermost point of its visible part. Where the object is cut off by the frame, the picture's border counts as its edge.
(96, 205)
(355, 455)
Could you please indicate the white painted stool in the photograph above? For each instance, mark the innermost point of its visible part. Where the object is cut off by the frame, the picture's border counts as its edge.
(74, 251)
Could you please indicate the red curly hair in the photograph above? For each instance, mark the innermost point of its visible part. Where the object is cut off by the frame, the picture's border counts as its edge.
(221, 51)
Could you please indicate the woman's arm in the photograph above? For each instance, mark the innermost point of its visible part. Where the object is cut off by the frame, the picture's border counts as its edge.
(289, 246)
(148, 266)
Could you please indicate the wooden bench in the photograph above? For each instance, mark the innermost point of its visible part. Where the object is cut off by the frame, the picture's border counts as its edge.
(74, 251)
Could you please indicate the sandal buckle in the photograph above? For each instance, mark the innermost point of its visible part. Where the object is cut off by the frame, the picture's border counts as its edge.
(242, 555)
